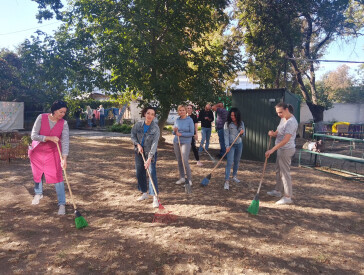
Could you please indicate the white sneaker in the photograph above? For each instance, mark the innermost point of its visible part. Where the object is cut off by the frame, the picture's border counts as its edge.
(62, 210)
(180, 181)
(36, 199)
(284, 200)
(199, 163)
(144, 196)
(155, 202)
(190, 182)
(236, 179)
(274, 193)
(226, 185)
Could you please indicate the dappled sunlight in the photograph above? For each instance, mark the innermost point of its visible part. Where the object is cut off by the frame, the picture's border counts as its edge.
(213, 234)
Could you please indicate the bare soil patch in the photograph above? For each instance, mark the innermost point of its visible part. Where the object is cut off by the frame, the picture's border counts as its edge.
(322, 232)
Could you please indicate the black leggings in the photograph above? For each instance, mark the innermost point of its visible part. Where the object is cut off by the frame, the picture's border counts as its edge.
(194, 149)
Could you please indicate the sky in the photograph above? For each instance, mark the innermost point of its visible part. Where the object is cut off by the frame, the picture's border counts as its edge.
(18, 22)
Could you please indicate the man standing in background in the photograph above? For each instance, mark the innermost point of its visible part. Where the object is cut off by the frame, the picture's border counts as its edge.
(222, 115)
(206, 116)
(77, 114)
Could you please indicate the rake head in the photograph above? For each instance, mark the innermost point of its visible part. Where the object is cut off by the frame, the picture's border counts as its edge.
(206, 180)
(254, 206)
(164, 217)
(79, 220)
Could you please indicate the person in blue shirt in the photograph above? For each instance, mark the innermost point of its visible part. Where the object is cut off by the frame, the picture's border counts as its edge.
(145, 136)
(232, 128)
(184, 128)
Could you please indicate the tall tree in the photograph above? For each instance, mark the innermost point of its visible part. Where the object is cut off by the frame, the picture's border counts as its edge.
(167, 51)
(341, 86)
(299, 32)
(10, 79)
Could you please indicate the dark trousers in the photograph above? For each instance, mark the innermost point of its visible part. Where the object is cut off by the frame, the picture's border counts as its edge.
(194, 149)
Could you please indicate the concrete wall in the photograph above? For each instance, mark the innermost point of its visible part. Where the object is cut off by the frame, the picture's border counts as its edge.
(352, 113)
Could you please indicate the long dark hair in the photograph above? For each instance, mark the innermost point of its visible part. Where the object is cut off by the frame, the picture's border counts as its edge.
(237, 116)
(285, 106)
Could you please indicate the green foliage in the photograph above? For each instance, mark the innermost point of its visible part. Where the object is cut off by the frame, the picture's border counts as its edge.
(167, 52)
(122, 128)
(11, 86)
(168, 128)
(26, 140)
(342, 87)
(74, 103)
(285, 31)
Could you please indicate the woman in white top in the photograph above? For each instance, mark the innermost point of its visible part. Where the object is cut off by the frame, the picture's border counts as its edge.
(285, 146)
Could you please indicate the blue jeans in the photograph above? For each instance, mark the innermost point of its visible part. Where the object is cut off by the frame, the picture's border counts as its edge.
(233, 156)
(38, 189)
(89, 122)
(221, 135)
(206, 134)
(141, 174)
(102, 120)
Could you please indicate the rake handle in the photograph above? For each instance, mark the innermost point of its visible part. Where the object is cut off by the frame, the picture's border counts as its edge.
(208, 154)
(150, 177)
(225, 154)
(265, 165)
(65, 175)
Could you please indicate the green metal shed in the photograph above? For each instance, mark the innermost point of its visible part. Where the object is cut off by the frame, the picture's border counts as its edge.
(257, 108)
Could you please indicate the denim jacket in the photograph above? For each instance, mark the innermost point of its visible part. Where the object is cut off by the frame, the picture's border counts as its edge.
(150, 140)
(231, 131)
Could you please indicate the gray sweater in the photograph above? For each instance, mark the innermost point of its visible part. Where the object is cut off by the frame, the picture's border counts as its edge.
(65, 138)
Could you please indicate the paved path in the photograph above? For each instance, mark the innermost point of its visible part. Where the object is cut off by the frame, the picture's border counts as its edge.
(96, 134)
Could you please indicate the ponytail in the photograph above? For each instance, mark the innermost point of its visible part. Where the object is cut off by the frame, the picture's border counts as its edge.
(285, 106)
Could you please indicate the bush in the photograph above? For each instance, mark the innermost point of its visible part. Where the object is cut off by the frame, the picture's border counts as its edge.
(168, 128)
(124, 128)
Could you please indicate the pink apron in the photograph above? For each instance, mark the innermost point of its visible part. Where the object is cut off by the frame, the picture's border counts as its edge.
(44, 156)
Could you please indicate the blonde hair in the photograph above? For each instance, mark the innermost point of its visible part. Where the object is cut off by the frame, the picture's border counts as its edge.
(181, 106)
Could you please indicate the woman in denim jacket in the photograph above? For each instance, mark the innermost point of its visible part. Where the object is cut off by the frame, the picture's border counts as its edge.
(232, 128)
(145, 136)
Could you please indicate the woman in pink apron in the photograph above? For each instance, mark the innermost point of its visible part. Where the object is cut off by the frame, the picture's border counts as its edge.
(48, 130)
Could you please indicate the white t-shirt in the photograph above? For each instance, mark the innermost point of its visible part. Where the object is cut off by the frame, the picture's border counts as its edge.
(287, 126)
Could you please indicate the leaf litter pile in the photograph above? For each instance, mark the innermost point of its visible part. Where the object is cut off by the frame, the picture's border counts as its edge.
(212, 233)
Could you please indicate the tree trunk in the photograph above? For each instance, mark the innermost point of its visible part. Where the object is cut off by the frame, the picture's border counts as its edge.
(317, 111)
(161, 122)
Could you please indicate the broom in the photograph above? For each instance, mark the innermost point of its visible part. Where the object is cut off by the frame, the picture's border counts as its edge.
(254, 206)
(187, 183)
(159, 217)
(206, 180)
(79, 220)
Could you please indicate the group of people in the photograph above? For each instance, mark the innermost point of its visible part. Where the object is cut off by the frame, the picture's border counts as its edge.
(51, 129)
(91, 116)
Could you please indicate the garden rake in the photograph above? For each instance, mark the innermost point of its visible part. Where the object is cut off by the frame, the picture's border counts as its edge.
(254, 206)
(79, 220)
(211, 157)
(206, 180)
(163, 216)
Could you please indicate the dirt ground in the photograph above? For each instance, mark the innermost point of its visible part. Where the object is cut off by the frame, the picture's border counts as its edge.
(321, 233)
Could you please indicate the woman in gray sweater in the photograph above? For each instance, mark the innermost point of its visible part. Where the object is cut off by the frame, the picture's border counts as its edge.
(145, 136)
(184, 128)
